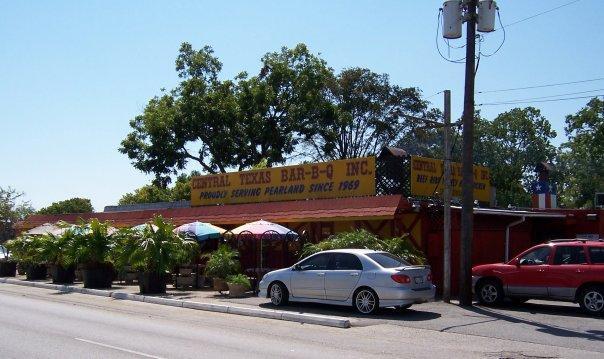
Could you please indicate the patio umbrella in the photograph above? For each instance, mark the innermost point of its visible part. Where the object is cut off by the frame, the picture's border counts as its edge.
(200, 230)
(86, 229)
(261, 228)
(45, 229)
(142, 226)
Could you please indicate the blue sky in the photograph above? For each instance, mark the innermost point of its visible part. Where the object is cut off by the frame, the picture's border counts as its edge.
(73, 73)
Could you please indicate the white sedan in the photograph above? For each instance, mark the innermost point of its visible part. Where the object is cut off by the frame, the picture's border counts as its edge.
(365, 279)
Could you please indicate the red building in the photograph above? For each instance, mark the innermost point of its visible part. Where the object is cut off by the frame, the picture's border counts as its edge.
(386, 215)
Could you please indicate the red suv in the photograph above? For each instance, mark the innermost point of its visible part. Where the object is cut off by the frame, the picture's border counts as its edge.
(568, 270)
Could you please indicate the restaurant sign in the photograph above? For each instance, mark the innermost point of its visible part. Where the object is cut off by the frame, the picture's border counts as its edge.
(427, 178)
(341, 178)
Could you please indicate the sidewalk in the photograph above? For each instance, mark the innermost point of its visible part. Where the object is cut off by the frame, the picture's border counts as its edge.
(198, 299)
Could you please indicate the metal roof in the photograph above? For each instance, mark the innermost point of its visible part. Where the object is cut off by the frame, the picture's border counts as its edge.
(515, 213)
(373, 207)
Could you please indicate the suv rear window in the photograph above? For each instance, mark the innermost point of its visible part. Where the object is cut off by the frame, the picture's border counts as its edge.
(569, 255)
(387, 260)
(596, 254)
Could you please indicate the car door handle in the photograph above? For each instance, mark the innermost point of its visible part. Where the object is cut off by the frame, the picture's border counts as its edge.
(541, 270)
(320, 274)
(354, 274)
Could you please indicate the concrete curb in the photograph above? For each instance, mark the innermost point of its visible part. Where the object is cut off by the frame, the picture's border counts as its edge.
(209, 307)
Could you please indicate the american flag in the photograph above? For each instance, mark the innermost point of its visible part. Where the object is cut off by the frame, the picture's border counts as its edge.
(544, 195)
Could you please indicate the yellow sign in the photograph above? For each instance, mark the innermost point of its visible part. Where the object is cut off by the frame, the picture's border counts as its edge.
(427, 179)
(341, 178)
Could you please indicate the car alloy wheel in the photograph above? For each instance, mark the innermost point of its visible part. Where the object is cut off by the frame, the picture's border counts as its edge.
(593, 301)
(490, 293)
(366, 301)
(278, 293)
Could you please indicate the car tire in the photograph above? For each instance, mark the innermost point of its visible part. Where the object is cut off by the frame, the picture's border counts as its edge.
(591, 300)
(366, 301)
(490, 292)
(278, 294)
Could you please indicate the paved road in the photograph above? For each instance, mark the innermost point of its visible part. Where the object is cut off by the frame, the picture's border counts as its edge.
(38, 323)
(537, 321)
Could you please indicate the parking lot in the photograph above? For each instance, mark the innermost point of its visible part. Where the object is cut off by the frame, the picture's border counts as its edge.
(542, 322)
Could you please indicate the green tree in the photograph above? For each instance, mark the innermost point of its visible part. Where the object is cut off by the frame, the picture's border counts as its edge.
(285, 99)
(581, 159)
(361, 113)
(151, 193)
(12, 210)
(511, 146)
(225, 124)
(72, 205)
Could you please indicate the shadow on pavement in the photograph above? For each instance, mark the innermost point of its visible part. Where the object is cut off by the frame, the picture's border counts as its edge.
(540, 308)
(540, 327)
(410, 314)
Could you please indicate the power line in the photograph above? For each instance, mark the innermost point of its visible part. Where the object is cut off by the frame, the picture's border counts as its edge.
(455, 61)
(541, 13)
(552, 100)
(502, 41)
(542, 86)
(434, 94)
(553, 96)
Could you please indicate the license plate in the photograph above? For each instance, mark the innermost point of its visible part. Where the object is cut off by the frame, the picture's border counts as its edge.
(419, 280)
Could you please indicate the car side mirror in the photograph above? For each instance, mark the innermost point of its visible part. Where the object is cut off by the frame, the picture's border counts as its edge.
(517, 262)
(296, 267)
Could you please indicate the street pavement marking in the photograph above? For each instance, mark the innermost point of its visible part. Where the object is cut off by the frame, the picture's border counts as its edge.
(118, 348)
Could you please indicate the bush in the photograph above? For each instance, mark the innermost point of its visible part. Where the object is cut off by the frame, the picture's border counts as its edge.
(399, 246)
(222, 262)
(91, 243)
(156, 249)
(239, 279)
(26, 250)
(53, 248)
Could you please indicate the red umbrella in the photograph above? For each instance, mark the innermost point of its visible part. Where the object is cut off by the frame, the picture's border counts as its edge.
(261, 228)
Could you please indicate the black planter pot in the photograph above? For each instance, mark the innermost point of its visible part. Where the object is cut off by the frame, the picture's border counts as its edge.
(62, 275)
(8, 269)
(35, 272)
(151, 283)
(98, 276)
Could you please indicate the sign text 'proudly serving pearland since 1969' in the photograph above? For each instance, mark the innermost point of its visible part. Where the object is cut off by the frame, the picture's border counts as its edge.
(341, 178)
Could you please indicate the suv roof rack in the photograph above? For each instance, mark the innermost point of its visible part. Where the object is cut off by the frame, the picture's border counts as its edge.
(575, 240)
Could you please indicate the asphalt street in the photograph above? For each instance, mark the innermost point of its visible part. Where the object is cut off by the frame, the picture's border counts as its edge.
(40, 323)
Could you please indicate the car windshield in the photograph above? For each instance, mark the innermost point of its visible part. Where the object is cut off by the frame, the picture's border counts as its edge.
(387, 260)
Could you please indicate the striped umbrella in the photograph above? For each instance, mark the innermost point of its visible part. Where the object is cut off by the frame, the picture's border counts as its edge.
(142, 226)
(200, 230)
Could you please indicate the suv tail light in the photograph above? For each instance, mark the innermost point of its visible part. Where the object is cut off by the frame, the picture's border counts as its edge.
(429, 277)
(401, 278)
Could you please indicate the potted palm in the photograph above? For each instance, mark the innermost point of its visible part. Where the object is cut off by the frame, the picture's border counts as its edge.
(123, 243)
(238, 285)
(8, 267)
(90, 248)
(221, 264)
(155, 250)
(25, 250)
(53, 249)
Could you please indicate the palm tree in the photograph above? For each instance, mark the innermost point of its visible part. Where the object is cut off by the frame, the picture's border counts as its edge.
(155, 250)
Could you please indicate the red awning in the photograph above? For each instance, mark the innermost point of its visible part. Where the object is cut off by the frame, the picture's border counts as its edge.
(378, 207)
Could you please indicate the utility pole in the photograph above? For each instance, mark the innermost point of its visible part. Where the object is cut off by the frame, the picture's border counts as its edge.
(467, 190)
(447, 201)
